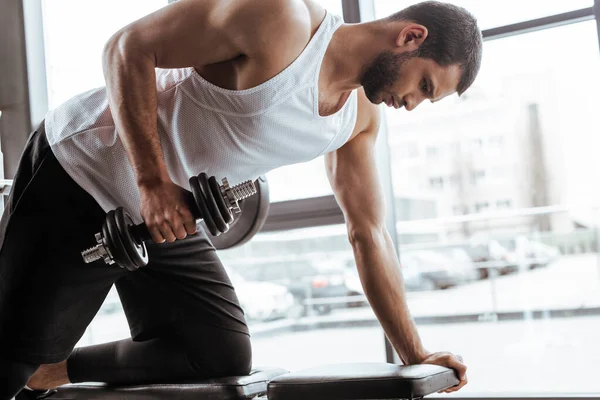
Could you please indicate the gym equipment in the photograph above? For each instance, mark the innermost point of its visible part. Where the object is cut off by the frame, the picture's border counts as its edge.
(229, 388)
(121, 242)
(249, 221)
(362, 381)
(359, 381)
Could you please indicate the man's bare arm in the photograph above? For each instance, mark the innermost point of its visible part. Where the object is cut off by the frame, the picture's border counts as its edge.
(353, 175)
(188, 33)
(184, 34)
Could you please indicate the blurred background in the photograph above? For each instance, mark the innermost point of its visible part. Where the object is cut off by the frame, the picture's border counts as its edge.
(493, 201)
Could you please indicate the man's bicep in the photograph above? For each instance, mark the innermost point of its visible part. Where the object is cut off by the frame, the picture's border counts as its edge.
(353, 176)
(187, 33)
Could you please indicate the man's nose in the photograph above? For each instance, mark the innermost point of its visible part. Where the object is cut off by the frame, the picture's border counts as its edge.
(413, 101)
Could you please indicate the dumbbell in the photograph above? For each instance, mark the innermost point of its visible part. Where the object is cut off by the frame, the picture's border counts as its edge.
(121, 242)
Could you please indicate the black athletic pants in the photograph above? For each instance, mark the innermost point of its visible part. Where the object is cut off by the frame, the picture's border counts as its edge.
(183, 313)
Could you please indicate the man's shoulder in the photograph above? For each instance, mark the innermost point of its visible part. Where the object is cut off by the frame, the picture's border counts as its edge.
(284, 26)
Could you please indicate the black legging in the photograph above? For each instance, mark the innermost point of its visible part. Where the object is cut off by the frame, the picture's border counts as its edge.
(13, 377)
(181, 354)
(187, 353)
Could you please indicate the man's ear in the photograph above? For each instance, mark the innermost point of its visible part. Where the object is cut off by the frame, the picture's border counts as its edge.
(412, 36)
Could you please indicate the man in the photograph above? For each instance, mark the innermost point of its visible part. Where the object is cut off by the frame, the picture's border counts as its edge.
(230, 88)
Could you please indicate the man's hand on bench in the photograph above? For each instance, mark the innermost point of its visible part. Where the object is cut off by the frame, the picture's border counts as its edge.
(449, 360)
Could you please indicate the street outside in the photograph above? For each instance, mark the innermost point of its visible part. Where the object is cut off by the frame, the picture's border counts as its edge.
(547, 355)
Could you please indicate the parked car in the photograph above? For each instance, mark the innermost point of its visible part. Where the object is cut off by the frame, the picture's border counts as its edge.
(533, 254)
(302, 278)
(428, 270)
(484, 256)
(262, 301)
(462, 265)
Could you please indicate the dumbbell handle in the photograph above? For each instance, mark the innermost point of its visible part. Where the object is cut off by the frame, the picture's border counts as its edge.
(233, 194)
(140, 232)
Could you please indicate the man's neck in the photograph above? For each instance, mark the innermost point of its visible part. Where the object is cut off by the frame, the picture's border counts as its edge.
(352, 48)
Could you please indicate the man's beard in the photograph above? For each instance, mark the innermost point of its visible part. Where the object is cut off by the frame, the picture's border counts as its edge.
(383, 72)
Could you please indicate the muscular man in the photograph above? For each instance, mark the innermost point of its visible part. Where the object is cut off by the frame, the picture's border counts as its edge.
(230, 88)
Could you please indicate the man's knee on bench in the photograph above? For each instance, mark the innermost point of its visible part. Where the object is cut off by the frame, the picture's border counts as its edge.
(230, 357)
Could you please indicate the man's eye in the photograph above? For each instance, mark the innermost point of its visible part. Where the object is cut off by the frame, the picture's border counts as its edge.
(424, 86)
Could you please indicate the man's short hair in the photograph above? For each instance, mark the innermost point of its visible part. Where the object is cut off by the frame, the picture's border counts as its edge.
(453, 38)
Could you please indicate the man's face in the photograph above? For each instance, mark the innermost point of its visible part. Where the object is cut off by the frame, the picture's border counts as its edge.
(404, 80)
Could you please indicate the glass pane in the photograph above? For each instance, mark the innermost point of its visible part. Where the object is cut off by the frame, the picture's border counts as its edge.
(497, 205)
(492, 14)
(73, 59)
(326, 297)
(299, 181)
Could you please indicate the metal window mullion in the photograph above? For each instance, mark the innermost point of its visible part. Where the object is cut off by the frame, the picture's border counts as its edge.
(14, 96)
(351, 10)
(36, 61)
(597, 16)
(534, 25)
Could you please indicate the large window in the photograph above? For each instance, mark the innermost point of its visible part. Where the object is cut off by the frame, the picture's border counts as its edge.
(508, 171)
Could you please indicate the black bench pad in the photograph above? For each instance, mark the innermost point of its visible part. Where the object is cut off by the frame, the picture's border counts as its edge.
(361, 381)
(229, 388)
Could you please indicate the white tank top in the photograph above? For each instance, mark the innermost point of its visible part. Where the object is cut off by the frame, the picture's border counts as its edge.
(238, 134)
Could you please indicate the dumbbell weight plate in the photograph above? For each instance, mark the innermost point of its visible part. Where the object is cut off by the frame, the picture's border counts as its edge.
(216, 191)
(250, 221)
(137, 251)
(204, 213)
(211, 202)
(117, 248)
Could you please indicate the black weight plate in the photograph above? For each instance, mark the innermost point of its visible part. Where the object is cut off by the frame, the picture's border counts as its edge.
(136, 250)
(116, 244)
(250, 221)
(212, 204)
(199, 199)
(216, 191)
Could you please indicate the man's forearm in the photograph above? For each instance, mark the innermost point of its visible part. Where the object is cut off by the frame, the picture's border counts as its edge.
(131, 88)
(382, 281)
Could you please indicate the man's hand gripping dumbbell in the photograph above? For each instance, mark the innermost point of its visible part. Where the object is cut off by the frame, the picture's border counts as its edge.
(122, 242)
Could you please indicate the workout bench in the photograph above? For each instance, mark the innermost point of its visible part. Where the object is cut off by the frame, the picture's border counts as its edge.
(327, 382)
(360, 381)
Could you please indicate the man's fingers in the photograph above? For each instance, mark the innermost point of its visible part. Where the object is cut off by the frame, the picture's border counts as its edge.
(177, 227)
(460, 385)
(190, 227)
(189, 223)
(157, 237)
(180, 232)
(458, 365)
(167, 232)
(456, 388)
